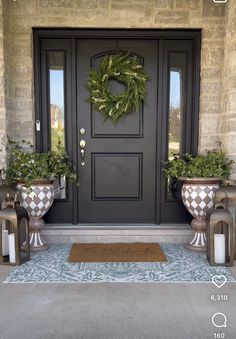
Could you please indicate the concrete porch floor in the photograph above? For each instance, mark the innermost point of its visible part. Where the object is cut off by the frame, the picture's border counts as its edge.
(113, 310)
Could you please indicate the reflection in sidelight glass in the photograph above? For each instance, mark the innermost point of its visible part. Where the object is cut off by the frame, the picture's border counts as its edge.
(57, 105)
(56, 80)
(175, 113)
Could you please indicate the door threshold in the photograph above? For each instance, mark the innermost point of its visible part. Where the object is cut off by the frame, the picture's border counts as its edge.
(116, 226)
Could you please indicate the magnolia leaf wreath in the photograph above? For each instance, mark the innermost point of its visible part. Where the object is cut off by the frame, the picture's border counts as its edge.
(126, 70)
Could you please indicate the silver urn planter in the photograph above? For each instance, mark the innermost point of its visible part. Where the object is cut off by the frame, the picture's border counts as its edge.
(198, 197)
(37, 198)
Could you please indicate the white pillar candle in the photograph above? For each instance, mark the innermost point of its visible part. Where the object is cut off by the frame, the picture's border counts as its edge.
(12, 250)
(5, 245)
(219, 248)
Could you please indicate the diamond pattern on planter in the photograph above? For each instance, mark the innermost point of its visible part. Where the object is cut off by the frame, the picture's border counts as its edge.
(41, 195)
(198, 199)
(37, 199)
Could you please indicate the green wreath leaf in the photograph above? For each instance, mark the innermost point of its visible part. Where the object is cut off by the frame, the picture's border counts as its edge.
(125, 69)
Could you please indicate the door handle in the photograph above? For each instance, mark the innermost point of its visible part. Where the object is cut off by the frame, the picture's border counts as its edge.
(82, 144)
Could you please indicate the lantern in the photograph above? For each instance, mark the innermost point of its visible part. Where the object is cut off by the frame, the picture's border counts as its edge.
(220, 236)
(230, 192)
(14, 234)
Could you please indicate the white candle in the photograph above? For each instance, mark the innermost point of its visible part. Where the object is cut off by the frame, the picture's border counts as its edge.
(12, 250)
(219, 248)
(5, 245)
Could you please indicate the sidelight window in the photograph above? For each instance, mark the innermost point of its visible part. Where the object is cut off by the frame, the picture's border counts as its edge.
(177, 88)
(176, 98)
(56, 62)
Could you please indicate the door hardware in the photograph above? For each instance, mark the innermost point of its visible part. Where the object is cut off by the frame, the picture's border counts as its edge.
(37, 125)
(82, 131)
(82, 144)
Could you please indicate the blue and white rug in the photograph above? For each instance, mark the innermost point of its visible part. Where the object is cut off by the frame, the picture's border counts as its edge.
(52, 267)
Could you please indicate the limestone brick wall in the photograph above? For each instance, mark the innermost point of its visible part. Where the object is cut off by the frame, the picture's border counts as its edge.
(9, 72)
(228, 118)
(25, 14)
(2, 96)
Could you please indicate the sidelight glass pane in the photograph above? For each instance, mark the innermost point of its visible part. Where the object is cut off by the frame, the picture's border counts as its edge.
(175, 114)
(175, 103)
(56, 60)
(57, 100)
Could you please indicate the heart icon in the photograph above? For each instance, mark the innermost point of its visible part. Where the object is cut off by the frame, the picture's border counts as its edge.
(219, 280)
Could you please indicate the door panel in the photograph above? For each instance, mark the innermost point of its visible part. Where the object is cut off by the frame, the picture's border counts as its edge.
(117, 183)
(125, 169)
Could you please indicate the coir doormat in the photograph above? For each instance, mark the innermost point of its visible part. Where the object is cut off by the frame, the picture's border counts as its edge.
(125, 252)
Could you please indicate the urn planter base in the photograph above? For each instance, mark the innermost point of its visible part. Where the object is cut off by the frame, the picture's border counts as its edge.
(37, 243)
(198, 242)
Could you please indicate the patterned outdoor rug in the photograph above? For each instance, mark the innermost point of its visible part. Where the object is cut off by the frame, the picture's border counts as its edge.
(118, 252)
(52, 266)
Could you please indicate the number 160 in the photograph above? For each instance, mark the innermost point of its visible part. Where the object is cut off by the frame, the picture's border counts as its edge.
(219, 335)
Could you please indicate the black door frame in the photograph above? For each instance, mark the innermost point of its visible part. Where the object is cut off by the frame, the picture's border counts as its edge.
(191, 144)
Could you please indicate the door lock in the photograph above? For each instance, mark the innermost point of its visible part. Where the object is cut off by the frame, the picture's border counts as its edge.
(82, 144)
(82, 131)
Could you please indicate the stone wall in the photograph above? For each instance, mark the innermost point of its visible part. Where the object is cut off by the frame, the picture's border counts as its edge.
(204, 14)
(228, 118)
(2, 96)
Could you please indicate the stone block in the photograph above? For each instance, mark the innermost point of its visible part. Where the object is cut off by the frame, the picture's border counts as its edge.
(175, 17)
(122, 4)
(103, 3)
(24, 7)
(213, 33)
(213, 56)
(22, 69)
(23, 105)
(130, 12)
(210, 9)
(211, 108)
(23, 92)
(58, 3)
(212, 72)
(87, 4)
(232, 126)
(208, 141)
(164, 4)
(215, 87)
(22, 51)
(21, 28)
(188, 4)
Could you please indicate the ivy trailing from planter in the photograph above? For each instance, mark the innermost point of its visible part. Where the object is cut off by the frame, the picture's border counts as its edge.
(26, 165)
(126, 70)
(213, 164)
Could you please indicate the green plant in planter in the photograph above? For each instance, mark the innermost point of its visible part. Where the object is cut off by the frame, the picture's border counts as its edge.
(26, 165)
(214, 164)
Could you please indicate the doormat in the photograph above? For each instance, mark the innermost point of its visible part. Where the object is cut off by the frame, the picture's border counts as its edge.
(52, 266)
(125, 252)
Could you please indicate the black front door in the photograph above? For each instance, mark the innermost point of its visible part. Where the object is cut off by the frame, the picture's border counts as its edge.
(121, 180)
(118, 179)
